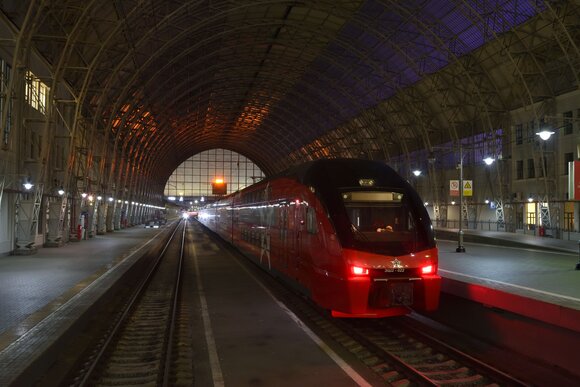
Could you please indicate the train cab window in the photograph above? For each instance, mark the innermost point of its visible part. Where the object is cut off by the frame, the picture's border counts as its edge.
(311, 225)
(379, 218)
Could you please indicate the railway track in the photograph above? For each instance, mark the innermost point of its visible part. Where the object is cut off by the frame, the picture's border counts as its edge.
(140, 350)
(141, 347)
(403, 355)
(398, 352)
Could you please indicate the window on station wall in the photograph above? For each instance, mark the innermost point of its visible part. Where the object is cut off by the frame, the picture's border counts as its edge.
(193, 178)
(531, 131)
(519, 169)
(544, 167)
(5, 107)
(519, 134)
(531, 169)
(36, 92)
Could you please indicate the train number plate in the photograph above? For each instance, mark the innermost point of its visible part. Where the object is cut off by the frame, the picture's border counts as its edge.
(400, 293)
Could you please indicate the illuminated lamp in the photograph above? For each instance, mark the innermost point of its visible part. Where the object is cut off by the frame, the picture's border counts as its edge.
(28, 185)
(427, 269)
(545, 134)
(488, 160)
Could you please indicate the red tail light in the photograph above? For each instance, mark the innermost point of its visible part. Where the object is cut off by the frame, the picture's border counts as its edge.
(357, 270)
(430, 269)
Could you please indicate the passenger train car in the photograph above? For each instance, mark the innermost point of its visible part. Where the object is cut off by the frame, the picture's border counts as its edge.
(352, 235)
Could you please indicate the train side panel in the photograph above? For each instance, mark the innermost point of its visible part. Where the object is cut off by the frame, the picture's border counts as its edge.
(284, 226)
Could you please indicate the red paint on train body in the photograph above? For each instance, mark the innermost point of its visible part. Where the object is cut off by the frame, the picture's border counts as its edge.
(318, 233)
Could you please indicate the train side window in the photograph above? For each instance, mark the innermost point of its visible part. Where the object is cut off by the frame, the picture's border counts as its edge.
(311, 225)
(283, 222)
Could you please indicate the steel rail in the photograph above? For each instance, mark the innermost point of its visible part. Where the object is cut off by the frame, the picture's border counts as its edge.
(126, 312)
(172, 323)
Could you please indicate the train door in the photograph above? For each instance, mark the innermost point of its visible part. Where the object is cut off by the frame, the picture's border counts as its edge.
(293, 239)
(301, 244)
(233, 223)
(283, 237)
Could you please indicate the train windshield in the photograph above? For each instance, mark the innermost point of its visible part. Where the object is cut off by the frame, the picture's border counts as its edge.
(382, 221)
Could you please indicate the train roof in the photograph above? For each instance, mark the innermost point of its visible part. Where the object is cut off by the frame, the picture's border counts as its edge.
(343, 173)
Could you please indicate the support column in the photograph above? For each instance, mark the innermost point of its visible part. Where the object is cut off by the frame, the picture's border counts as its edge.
(111, 215)
(101, 217)
(92, 209)
(24, 244)
(81, 221)
(130, 211)
(54, 235)
(118, 215)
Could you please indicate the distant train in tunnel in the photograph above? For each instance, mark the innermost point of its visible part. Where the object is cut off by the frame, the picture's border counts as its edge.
(352, 235)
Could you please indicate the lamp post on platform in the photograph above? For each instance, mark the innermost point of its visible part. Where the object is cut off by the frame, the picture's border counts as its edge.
(460, 248)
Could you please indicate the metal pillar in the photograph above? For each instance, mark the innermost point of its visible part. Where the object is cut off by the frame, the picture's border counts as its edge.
(54, 225)
(460, 248)
(101, 217)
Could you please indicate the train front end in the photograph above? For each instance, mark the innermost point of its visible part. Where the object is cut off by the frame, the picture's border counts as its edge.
(388, 250)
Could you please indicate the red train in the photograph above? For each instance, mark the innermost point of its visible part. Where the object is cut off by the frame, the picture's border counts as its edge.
(350, 234)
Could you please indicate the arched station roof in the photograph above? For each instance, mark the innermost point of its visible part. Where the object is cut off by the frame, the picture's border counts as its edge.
(283, 81)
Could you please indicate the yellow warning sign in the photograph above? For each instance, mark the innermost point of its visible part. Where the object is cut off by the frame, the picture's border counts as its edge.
(467, 187)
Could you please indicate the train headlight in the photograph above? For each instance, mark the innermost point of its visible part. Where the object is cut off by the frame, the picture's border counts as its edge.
(357, 270)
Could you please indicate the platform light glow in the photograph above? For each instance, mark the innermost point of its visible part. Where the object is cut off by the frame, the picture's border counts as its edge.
(545, 134)
(488, 160)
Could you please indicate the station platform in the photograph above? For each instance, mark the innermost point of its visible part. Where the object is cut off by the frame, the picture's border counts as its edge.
(249, 338)
(40, 294)
(528, 275)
